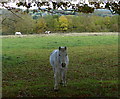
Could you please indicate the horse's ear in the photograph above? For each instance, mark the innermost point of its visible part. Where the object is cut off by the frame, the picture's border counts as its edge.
(65, 47)
(59, 48)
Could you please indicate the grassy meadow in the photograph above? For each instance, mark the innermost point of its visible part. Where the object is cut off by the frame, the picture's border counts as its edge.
(93, 68)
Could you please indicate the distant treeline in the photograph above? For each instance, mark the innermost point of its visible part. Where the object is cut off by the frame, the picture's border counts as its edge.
(27, 25)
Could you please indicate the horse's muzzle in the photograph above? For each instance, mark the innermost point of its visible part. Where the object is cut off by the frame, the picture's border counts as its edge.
(63, 64)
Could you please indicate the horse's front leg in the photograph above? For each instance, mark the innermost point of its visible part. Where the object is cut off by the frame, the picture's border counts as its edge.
(56, 77)
(56, 82)
(64, 78)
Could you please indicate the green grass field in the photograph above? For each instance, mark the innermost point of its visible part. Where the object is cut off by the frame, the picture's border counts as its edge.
(93, 68)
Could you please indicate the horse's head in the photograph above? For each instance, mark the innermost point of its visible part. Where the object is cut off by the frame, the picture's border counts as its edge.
(63, 56)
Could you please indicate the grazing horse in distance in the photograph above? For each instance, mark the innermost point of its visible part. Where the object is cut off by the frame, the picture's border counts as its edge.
(18, 33)
(47, 32)
(59, 61)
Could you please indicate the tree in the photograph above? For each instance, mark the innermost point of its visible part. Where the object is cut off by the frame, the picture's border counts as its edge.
(40, 26)
(114, 23)
(52, 23)
(8, 22)
(26, 26)
(11, 23)
(63, 23)
(56, 25)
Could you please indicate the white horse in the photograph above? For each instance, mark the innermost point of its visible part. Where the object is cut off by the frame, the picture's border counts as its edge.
(18, 33)
(59, 61)
(47, 32)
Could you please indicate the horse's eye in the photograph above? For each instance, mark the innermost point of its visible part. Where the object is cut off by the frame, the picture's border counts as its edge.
(59, 54)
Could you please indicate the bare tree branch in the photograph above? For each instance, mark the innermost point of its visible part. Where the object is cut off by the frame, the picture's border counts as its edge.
(10, 9)
(114, 7)
(3, 20)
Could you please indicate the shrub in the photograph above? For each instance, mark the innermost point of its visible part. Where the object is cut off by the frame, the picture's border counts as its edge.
(40, 25)
(63, 23)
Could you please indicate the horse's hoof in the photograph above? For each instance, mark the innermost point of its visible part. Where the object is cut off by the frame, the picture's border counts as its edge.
(56, 90)
(64, 85)
(61, 83)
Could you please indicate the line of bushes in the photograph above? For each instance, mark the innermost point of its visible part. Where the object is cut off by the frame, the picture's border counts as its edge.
(27, 25)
